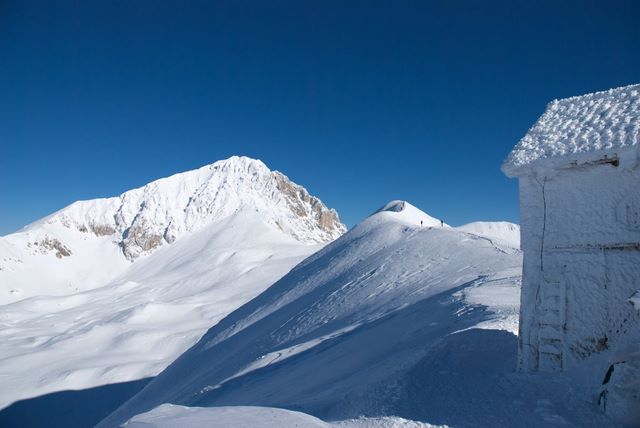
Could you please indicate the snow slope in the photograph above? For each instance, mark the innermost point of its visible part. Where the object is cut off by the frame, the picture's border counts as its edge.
(133, 318)
(88, 243)
(390, 319)
(502, 232)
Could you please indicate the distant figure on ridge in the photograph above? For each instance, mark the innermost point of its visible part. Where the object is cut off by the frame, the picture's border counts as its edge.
(441, 223)
(420, 223)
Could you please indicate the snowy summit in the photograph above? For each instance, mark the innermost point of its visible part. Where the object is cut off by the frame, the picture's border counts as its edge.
(403, 211)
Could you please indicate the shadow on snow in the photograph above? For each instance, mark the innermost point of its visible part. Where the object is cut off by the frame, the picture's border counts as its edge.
(70, 409)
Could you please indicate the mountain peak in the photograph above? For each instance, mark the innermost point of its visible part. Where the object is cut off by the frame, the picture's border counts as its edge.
(240, 164)
(403, 211)
(143, 219)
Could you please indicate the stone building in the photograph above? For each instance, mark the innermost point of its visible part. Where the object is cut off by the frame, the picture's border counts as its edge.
(579, 176)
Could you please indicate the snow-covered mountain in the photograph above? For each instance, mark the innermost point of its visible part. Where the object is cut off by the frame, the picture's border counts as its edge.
(119, 287)
(90, 242)
(390, 319)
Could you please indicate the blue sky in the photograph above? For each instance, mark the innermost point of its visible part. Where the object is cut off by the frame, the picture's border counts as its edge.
(360, 102)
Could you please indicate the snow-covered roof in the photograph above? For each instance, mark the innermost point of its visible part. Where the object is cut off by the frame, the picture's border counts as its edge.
(581, 127)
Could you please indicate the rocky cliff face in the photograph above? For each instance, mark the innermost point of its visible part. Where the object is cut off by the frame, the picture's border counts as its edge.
(309, 209)
(157, 214)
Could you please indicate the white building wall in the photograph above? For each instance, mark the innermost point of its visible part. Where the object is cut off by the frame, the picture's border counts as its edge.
(581, 243)
(531, 221)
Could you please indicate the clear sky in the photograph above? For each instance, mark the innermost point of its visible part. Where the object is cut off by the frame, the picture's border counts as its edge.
(359, 101)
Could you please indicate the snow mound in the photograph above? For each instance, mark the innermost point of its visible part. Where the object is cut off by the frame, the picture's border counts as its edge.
(502, 232)
(171, 416)
(586, 126)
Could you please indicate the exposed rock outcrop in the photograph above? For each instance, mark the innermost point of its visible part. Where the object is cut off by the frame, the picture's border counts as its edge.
(140, 238)
(309, 207)
(48, 244)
